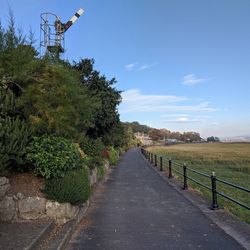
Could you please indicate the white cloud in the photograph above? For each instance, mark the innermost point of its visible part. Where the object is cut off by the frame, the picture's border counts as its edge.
(138, 67)
(180, 118)
(146, 66)
(134, 96)
(130, 66)
(135, 102)
(184, 118)
(192, 79)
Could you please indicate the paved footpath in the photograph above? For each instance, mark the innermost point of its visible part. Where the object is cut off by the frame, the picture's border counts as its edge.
(139, 210)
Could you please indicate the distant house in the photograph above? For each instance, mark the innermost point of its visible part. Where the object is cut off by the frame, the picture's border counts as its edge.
(145, 139)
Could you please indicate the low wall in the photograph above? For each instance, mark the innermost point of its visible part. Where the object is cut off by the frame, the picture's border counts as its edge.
(20, 208)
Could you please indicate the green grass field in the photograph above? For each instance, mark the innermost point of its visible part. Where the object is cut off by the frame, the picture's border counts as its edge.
(229, 161)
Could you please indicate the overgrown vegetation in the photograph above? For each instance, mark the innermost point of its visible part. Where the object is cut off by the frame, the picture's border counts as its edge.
(113, 156)
(55, 116)
(14, 135)
(73, 187)
(100, 173)
(229, 161)
(52, 157)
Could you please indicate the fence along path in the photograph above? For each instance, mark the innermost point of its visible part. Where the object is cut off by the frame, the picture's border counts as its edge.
(214, 192)
(139, 210)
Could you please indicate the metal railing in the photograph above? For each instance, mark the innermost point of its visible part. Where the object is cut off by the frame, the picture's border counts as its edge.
(171, 165)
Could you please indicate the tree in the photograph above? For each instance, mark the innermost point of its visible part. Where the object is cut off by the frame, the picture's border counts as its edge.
(106, 116)
(165, 133)
(56, 103)
(16, 58)
(155, 134)
(213, 139)
(137, 127)
(191, 137)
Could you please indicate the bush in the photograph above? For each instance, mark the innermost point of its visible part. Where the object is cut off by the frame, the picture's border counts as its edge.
(74, 187)
(100, 173)
(93, 149)
(53, 156)
(113, 156)
(14, 136)
(105, 153)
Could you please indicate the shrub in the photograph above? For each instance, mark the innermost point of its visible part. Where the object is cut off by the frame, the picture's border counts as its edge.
(53, 156)
(93, 149)
(100, 173)
(113, 156)
(74, 187)
(105, 153)
(14, 136)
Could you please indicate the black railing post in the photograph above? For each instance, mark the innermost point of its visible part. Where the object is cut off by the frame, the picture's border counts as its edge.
(155, 160)
(152, 157)
(161, 167)
(185, 186)
(170, 169)
(214, 192)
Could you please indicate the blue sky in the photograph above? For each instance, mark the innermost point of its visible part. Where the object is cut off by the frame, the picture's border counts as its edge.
(183, 65)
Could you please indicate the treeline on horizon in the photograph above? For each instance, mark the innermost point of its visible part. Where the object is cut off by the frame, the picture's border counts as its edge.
(160, 134)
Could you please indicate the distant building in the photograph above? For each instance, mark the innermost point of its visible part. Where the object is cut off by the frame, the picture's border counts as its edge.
(145, 139)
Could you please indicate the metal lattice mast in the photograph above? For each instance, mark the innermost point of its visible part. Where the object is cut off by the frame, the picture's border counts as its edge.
(52, 32)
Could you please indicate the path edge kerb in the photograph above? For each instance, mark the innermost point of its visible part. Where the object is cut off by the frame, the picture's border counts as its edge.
(233, 229)
(41, 236)
(72, 224)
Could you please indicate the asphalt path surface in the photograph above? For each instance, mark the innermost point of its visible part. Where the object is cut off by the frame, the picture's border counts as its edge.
(139, 210)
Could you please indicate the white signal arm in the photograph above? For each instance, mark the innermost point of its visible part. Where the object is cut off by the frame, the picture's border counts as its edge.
(73, 19)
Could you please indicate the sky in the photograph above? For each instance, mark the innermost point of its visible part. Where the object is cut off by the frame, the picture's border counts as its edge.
(183, 65)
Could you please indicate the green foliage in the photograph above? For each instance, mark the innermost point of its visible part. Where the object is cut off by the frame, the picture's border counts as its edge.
(53, 156)
(7, 104)
(100, 173)
(213, 139)
(93, 149)
(106, 115)
(74, 187)
(57, 104)
(16, 57)
(14, 136)
(113, 156)
(137, 127)
(59, 99)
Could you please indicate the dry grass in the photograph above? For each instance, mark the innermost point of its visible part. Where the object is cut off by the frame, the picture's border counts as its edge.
(230, 162)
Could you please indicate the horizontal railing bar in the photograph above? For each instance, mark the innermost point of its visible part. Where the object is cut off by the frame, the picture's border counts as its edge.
(233, 185)
(203, 185)
(198, 172)
(164, 160)
(177, 171)
(233, 200)
(177, 163)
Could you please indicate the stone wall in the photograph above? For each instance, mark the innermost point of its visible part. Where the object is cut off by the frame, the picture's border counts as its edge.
(21, 208)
